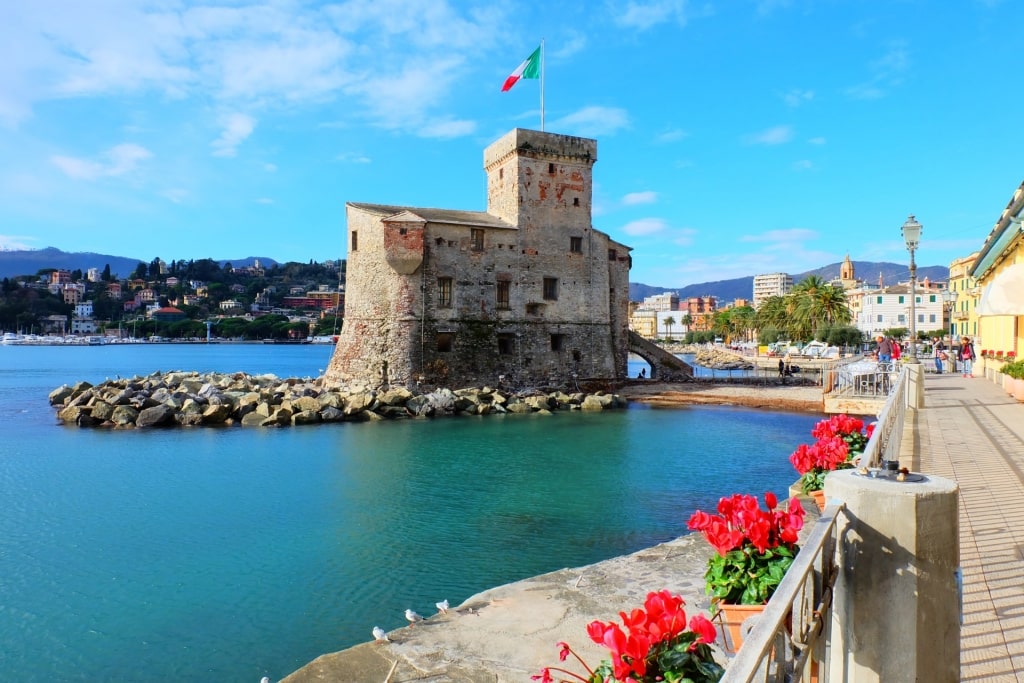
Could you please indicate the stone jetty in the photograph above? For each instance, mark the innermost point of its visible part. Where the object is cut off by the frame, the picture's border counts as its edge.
(215, 399)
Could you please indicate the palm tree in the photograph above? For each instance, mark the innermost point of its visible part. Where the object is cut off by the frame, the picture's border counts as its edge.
(668, 322)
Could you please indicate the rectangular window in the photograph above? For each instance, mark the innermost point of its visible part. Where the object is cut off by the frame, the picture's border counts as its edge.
(502, 303)
(444, 342)
(476, 236)
(901, 299)
(355, 240)
(901, 318)
(506, 344)
(931, 317)
(879, 300)
(920, 317)
(576, 245)
(444, 292)
(551, 168)
(551, 288)
(931, 298)
(557, 342)
(613, 255)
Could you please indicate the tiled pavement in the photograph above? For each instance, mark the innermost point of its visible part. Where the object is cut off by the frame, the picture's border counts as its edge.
(971, 431)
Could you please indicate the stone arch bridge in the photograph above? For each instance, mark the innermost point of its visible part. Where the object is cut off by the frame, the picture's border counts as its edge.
(665, 366)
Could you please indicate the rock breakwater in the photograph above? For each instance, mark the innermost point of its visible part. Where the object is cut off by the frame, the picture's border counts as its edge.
(217, 399)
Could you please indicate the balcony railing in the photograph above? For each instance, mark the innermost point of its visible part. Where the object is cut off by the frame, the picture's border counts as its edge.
(790, 641)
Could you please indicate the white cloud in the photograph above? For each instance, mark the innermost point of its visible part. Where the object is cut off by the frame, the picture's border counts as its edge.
(634, 198)
(887, 73)
(447, 129)
(383, 56)
(673, 135)
(237, 127)
(772, 136)
(16, 242)
(572, 44)
(796, 97)
(644, 15)
(644, 226)
(593, 121)
(116, 161)
(353, 158)
(175, 194)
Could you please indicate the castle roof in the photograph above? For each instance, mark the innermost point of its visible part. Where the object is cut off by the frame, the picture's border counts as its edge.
(451, 216)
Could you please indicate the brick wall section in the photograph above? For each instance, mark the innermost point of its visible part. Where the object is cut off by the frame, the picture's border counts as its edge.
(539, 198)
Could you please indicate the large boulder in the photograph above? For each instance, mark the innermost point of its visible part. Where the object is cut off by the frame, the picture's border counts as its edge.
(395, 397)
(305, 417)
(124, 416)
(306, 404)
(216, 413)
(102, 411)
(332, 414)
(58, 395)
(157, 416)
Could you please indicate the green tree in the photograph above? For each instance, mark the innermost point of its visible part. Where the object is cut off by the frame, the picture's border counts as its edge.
(668, 322)
(140, 271)
(105, 276)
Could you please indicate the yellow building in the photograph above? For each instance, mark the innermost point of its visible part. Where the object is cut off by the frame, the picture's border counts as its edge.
(999, 273)
(964, 316)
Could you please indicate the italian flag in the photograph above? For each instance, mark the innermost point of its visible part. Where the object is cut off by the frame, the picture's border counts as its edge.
(528, 69)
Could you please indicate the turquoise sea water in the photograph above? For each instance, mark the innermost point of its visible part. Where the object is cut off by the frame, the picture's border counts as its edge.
(230, 554)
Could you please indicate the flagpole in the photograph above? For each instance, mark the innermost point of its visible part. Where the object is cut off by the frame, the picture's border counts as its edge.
(542, 85)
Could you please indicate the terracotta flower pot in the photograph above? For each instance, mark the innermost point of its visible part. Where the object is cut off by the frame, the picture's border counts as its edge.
(734, 619)
(819, 498)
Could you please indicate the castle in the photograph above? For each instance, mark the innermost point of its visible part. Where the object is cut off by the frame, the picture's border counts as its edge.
(523, 294)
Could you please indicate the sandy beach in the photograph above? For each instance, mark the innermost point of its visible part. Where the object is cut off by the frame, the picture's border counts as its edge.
(775, 397)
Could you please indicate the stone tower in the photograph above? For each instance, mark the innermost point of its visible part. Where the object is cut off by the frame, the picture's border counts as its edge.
(525, 293)
(846, 270)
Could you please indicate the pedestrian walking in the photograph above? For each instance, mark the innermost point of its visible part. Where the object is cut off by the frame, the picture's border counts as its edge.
(884, 350)
(966, 356)
(939, 349)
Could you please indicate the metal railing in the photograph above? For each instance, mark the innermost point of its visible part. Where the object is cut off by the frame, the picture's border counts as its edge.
(788, 642)
(865, 378)
(884, 443)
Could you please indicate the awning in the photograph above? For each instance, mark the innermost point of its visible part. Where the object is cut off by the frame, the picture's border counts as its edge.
(1005, 294)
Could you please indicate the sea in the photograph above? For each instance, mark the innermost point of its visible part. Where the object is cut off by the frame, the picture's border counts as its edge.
(229, 554)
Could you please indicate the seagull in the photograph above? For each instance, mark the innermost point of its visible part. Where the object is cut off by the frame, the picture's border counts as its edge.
(412, 617)
(380, 636)
(442, 606)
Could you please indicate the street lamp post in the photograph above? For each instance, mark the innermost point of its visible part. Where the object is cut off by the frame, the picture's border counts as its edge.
(949, 301)
(912, 235)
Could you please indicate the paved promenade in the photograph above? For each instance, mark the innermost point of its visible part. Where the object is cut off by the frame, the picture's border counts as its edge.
(971, 431)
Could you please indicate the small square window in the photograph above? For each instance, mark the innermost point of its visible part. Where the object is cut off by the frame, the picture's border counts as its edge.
(403, 231)
(576, 245)
(551, 288)
(575, 201)
(444, 292)
(444, 342)
(613, 255)
(557, 342)
(476, 236)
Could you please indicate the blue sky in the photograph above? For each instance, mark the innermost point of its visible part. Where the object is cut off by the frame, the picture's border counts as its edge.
(734, 137)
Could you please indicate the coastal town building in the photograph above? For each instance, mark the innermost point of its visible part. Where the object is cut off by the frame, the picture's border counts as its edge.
(666, 301)
(999, 273)
(701, 311)
(524, 293)
(889, 308)
(964, 314)
(771, 284)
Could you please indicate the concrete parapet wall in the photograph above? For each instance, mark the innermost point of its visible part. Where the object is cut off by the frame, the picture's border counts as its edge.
(896, 611)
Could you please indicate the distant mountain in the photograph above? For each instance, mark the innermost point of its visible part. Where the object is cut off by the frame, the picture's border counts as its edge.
(743, 287)
(31, 261)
